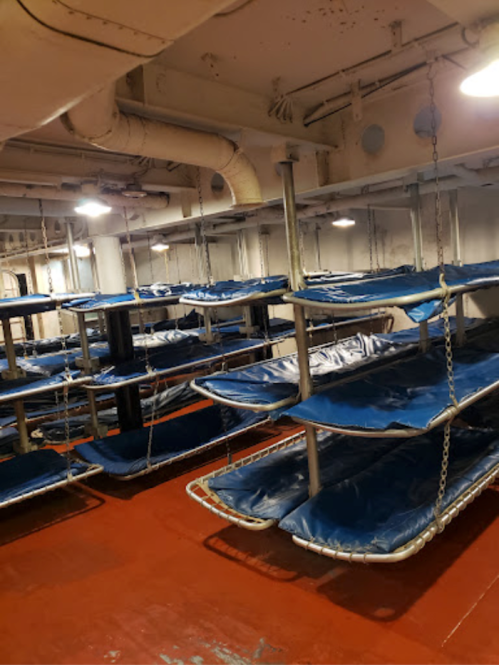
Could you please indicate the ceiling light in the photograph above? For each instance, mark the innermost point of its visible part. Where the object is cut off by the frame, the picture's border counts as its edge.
(92, 207)
(160, 246)
(484, 82)
(343, 222)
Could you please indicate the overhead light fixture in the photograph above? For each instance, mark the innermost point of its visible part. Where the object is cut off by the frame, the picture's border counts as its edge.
(160, 246)
(484, 82)
(93, 207)
(343, 222)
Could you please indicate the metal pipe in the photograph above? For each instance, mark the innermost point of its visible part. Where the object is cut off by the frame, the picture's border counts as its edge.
(297, 282)
(457, 261)
(73, 263)
(417, 236)
(10, 352)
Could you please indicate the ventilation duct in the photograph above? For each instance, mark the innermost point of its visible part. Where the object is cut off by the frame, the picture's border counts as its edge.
(60, 52)
(98, 121)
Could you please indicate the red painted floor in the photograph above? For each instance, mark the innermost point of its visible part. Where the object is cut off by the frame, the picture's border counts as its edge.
(138, 573)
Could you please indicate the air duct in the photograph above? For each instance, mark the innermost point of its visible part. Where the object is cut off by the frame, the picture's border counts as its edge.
(99, 121)
(60, 52)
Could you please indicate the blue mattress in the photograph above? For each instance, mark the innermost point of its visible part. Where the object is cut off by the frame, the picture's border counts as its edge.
(173, 398)
(381, 291)
(33, 304)
(125, 454)
(408, 394)
(235, 291)
(267, 383)
(19, 388)
(341, 277)
(169, 360)
(387, 502)
(34, 471)
(150, 296)
(275, 485)
(53, 363)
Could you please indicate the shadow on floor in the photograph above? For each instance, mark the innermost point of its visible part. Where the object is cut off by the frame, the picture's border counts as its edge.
(127, 489)
(379, 592)
(28, 517)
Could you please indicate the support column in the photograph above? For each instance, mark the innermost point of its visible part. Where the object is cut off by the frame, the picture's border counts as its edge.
(119, 334)
(73, 262)
(318, 248)
(297, 283)
(13, 373)
(88, 366)
(242, 251)
(109, 264)
(95, 279)
(457, 261)
(417, 235)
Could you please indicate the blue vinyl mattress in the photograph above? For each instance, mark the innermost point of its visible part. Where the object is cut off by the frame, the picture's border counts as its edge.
(390, 500)
(389, 290)
(169, 360)
(232, 291)
(126, 453)
(410, 393)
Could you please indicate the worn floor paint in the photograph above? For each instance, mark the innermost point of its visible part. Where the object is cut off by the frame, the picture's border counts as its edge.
(136, 572)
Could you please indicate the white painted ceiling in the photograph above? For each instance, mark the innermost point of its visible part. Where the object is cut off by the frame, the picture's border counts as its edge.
(297, 42)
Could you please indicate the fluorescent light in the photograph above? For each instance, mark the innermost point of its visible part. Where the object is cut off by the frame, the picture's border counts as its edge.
(92, 208)
(484, 83)
(343, 222)
(160, 247)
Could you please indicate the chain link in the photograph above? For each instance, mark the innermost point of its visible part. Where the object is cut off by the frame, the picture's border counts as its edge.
(301, 240)
(442, 485)
(209, 276)
(67, 370)
(260, 248)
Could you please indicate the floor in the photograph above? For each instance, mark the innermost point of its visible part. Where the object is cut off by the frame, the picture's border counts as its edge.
(136, 572)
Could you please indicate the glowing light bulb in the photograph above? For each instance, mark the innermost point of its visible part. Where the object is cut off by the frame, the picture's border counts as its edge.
(484, 83)
(92, 208)
(343, 222)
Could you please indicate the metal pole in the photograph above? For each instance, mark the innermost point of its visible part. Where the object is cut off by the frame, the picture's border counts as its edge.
(318, 247)
(457, 261)
(297, 283)
(73, 263)
(10, 352)
(417, 236)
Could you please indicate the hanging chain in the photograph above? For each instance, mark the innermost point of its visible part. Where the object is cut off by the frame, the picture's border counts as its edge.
(263, 272)
(370, 238)
(149, 252)
(67, 371)
(209, 276)
(447, 331)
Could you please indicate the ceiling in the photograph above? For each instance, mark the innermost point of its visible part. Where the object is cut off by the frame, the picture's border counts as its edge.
(294, 42)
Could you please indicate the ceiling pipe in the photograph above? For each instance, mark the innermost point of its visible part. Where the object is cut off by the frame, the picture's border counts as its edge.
(14, 190)
(99, 121)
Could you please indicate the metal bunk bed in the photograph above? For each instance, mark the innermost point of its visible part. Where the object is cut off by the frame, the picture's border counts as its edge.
(383, 486)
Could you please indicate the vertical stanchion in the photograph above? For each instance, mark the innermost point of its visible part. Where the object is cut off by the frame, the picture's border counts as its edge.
(417, 236)
(296, 279)
(10, 352)
(73, 263)
(457, 261)
(97, 431)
